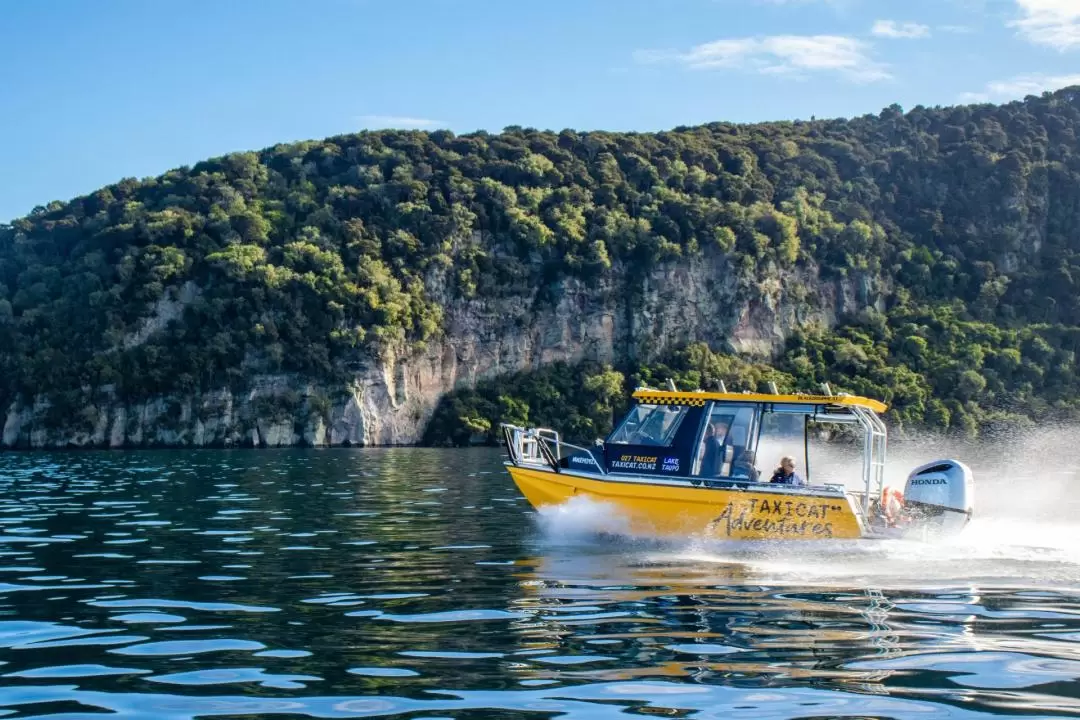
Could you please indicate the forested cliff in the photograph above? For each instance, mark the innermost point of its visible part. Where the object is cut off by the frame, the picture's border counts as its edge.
(396, 287)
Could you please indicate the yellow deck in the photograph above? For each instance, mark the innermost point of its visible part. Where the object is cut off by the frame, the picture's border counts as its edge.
(669, 510)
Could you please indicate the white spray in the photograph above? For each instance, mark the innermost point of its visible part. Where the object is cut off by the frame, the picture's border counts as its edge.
(1026, 527)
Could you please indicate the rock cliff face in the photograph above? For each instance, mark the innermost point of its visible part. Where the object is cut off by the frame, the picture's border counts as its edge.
(391, 398)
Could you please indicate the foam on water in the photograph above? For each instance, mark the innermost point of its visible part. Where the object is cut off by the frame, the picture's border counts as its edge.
(1025, 528)
(580, 519)
(984, 553)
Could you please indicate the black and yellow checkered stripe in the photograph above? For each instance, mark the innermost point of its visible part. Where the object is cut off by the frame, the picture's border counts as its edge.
(698, 399)
(686, 400)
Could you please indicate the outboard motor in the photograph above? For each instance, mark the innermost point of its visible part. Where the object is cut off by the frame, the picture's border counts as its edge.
(940, 496)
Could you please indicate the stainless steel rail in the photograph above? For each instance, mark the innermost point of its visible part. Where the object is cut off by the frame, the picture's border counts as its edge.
(539, 446)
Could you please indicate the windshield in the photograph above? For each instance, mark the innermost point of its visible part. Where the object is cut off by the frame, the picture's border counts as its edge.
(654, 425)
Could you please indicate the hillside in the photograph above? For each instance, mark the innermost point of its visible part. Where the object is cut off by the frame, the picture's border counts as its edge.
(335, 291)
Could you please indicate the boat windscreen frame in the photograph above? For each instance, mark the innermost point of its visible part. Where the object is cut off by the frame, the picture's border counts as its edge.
(875, 435)
(669, 435)
(782, 408)
(875, 444)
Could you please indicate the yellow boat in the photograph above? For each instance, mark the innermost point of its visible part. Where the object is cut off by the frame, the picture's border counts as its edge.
(690, 464)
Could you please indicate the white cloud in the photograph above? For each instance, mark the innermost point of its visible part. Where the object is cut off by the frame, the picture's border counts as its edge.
(893, 29)
(398, 121)
(1055, 23)
(778, 54)
(956, 29)
(1020, 87)
(1031, 84)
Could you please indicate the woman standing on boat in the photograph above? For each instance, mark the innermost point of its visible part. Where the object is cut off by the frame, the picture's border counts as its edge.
(785, 474)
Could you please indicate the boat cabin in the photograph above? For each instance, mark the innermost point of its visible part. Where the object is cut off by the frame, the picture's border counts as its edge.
(714, 438)
(681, 462)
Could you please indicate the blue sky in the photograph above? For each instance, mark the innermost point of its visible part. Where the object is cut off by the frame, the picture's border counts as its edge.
(91, 92)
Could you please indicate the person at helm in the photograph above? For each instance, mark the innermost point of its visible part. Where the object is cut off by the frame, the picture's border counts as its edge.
(713, 447)
(785, 474)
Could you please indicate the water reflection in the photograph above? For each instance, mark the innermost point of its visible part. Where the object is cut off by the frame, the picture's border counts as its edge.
(381, 583)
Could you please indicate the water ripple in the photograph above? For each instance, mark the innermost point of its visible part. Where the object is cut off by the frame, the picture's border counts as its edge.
(408, 583)
(207, 606)
(75, 671)
(227, 676)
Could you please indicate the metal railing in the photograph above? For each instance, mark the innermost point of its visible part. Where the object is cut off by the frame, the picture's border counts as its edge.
(540, 446)
(523, 445)
(874, 449)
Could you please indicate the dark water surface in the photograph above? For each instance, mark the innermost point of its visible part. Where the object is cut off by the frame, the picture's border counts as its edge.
(410, 583)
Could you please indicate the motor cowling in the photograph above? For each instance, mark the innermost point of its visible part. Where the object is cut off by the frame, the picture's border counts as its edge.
(940, 495)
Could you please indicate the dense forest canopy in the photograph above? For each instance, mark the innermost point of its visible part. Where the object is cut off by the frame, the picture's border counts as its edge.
(304, 257)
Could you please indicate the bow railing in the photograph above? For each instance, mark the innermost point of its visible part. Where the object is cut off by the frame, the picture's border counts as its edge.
(539, 447)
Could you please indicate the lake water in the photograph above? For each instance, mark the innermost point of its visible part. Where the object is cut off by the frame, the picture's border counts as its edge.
(415, 583)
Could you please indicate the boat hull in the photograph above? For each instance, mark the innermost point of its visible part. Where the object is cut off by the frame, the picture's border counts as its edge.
(679, 510)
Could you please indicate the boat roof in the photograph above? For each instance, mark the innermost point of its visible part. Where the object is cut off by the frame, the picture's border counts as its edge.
(699, 397)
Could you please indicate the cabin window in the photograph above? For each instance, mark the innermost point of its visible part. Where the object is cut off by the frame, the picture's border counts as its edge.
(788, 430)
(726, 445)
(783, 433)
(653, 425)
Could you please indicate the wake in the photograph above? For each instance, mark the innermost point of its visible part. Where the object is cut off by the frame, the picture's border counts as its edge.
(1025, 531)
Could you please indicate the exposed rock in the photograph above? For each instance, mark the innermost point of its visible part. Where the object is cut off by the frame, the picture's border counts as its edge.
(348, 427)
(167, 309)
(276, 434)
(16, 423)
(391, 398)
(315, 433)
(117, 430)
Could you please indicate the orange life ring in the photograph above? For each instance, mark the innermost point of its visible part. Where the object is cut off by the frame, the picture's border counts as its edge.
(892, 505)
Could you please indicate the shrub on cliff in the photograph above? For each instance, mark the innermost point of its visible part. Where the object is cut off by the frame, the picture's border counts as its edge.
(305, 257)
(578, 400)
(960, 382)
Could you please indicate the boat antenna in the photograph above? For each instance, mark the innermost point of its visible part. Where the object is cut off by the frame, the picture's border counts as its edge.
(671, 385)
(723, 387)
(772, 388)
(825, 389)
